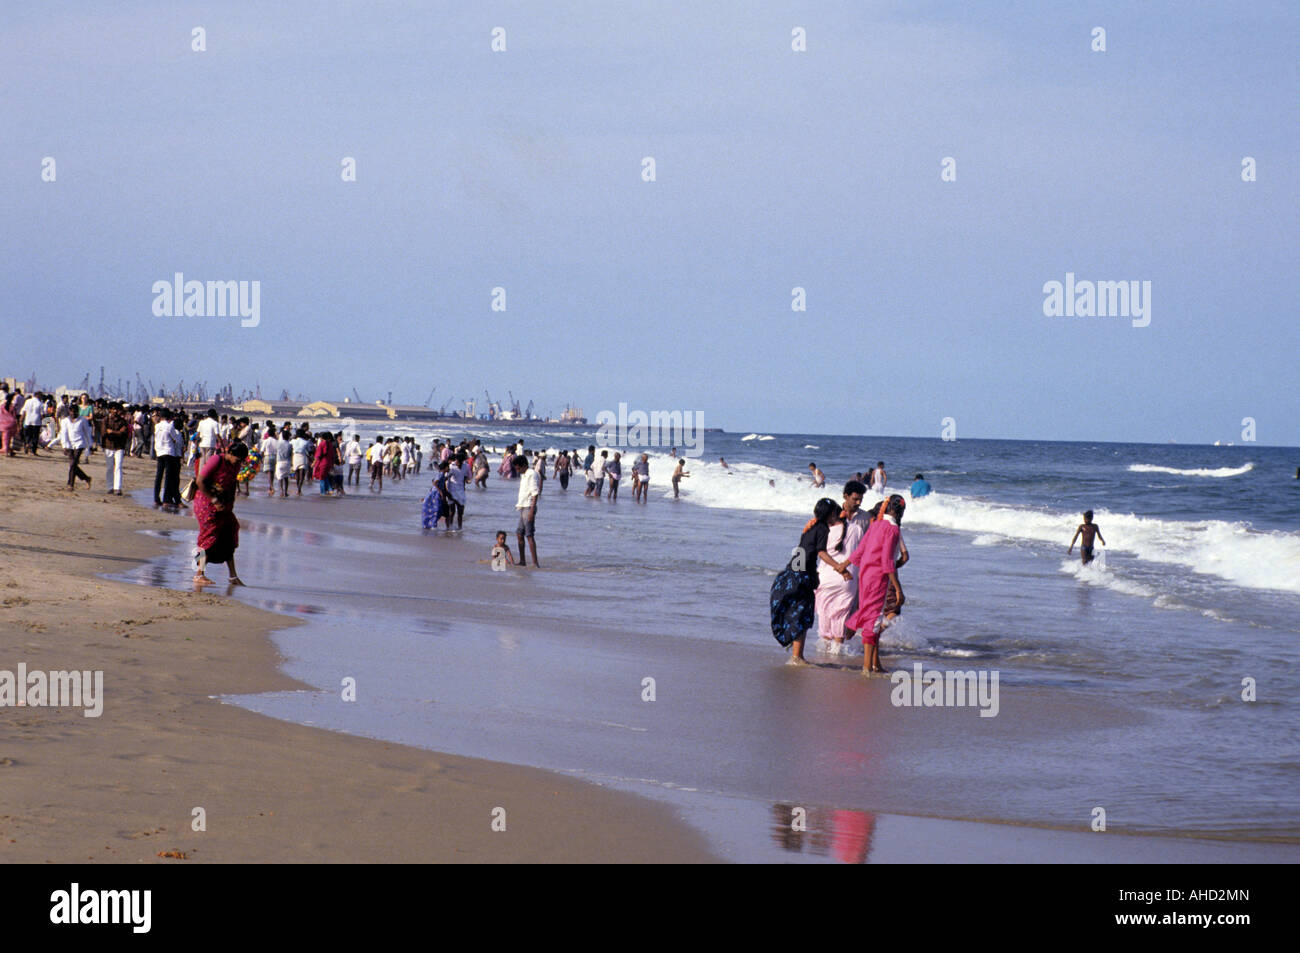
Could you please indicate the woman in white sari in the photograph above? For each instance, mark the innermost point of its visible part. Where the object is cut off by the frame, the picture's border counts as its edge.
(837, 597)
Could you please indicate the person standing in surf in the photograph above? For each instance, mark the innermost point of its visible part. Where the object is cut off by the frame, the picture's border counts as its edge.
(435, 507)
(457, 476)
(641, 472)
(1088, 530)
(530, 491)
(794, 590)
(878, 478)
(615, 472)
(893, 606)
(837, 594)
(877, 574)
(678, 474)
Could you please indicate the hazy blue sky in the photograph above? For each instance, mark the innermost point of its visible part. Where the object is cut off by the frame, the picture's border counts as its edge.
(775, 169)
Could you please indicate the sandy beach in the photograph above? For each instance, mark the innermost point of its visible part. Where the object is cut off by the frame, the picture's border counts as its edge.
(122, 788)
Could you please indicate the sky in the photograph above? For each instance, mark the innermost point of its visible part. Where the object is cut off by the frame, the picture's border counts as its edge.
(775, 169)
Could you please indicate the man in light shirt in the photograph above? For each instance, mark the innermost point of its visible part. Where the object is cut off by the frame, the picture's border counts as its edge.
(33, 412)
(269, 445)
(530, 491)
(74, 433)
(209, 429)
(284, 460)
(300, 447)
(352, 454)
(375, 457)
(167, 448)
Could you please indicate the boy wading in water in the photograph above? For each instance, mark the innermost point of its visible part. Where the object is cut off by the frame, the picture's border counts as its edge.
(1087, 529)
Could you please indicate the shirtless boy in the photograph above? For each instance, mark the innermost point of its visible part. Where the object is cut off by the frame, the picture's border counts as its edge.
(1087, 529)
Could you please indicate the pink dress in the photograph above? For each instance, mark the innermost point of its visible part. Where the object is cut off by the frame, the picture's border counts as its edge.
(874, 558)
(837, 597)
(8, 429)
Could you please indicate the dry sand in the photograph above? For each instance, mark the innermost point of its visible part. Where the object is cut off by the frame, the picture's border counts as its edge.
(122, 787)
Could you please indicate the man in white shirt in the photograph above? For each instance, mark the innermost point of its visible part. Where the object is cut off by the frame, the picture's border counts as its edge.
(167, 448)
(878, 478)
(530, 491)
(284, 460)
(352, 454)
(138, 427)
(33, 412)
(75, 434)
(209, 429)
(300, 446)
(269, 446)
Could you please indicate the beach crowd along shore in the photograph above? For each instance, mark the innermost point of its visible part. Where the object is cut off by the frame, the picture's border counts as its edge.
(123, 787)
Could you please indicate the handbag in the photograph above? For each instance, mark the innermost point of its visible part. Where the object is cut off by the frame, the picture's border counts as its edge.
(187, 494)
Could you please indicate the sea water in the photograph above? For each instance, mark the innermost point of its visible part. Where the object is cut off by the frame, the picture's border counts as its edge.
(1122, 681)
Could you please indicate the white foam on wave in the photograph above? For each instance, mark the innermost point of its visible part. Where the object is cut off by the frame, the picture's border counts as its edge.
(811, 446)
(1096, 574)
(1231, 551)
(756, 436)
(1196, 471)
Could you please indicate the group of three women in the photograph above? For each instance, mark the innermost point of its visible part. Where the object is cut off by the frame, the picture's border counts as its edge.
(844, 571)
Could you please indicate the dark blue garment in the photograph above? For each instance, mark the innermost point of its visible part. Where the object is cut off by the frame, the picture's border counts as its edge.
(433, 509)
(794, 595)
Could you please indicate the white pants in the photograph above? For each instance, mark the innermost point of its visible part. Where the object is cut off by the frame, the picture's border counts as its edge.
(113, 468)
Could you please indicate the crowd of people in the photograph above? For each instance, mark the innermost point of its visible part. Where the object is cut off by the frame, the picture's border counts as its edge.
(227, 455)
(844, 572)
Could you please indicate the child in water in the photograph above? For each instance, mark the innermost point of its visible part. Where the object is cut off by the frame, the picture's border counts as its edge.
(677, 477)
(501, 556)
(1087, 529)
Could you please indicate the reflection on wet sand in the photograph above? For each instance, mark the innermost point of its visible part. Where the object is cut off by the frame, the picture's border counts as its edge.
(844, 835)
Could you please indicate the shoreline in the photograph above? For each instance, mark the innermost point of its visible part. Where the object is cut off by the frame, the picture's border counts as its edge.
(124, 787)
(565, 697)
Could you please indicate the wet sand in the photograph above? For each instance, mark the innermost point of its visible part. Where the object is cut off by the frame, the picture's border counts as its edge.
(123, 787)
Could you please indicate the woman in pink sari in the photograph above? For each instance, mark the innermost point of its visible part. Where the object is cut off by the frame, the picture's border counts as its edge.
(8, 425)
(214, 508)
(877, 574)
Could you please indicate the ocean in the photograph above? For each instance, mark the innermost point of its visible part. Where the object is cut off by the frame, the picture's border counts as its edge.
(1121, 683)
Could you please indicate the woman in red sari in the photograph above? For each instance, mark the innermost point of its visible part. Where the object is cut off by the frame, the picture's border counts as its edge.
(323, 464)
(214, 508)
